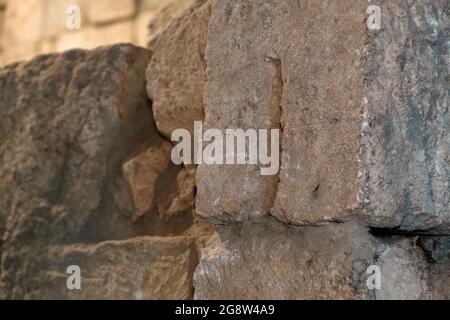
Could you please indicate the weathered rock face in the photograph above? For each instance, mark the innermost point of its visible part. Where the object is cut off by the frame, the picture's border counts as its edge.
(364, 114)
(158, 185)
(87, 178)
(276, 50)
(438, 253)
(78, 141)
(62, 138)
(176, 73)
(64, 141)
(141, 268)
(405, 158)
(404, 269)
(274, 261)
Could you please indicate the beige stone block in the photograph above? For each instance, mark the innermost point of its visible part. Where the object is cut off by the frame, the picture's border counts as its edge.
(143, 172)
(141, 268)
(2, 18)
(363, 127)
(104, 11)
(176, 74)
(47, 45)
(18, 53)
(156, 4)
(91, 37)
(56, 15)
(23, 22)
(141, 27)
(77, 115)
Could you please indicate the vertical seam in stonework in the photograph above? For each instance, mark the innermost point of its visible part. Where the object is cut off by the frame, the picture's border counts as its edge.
(276, 112)
(365, 60)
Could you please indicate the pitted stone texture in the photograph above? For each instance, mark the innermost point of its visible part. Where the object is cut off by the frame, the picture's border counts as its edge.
(438, 253)
(142, 173)
(364, 117)
(176, 73)
(413, 268)
(405, 160)
(279, 51)
(69, 122)
(403, 270)
(157, 185)
(142, 268)
(273, 261)
(244, 91)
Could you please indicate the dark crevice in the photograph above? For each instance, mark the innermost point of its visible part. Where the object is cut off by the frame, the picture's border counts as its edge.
(380, 232)
(276, 112)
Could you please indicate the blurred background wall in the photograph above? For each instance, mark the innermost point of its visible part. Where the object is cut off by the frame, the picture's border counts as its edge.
(31, 27)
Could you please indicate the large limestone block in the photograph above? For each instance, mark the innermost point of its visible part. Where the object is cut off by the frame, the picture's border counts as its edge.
(363, 113)
(104, 11)
(68, 123)
(176, 73)
(405, 149)
(141, 268)
(273, 261)
(334, 261)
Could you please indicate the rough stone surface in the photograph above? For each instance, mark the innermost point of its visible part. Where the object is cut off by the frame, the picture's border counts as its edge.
(64, 141)
(142, 173)
(82, 162)
(321, 112)
(276, 50)
(404, 269)
(141, 268)
(157, 184)
(364, 114)
(274, 261)
(243, 91)
(176, 73)
(405, 159)
(87, 179)
(414, 268)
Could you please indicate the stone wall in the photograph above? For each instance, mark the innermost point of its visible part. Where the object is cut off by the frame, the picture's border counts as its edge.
(32, 27)
(87, 178)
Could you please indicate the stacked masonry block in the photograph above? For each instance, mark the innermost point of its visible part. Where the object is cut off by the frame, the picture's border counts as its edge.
(40, 26)
(86, 176)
